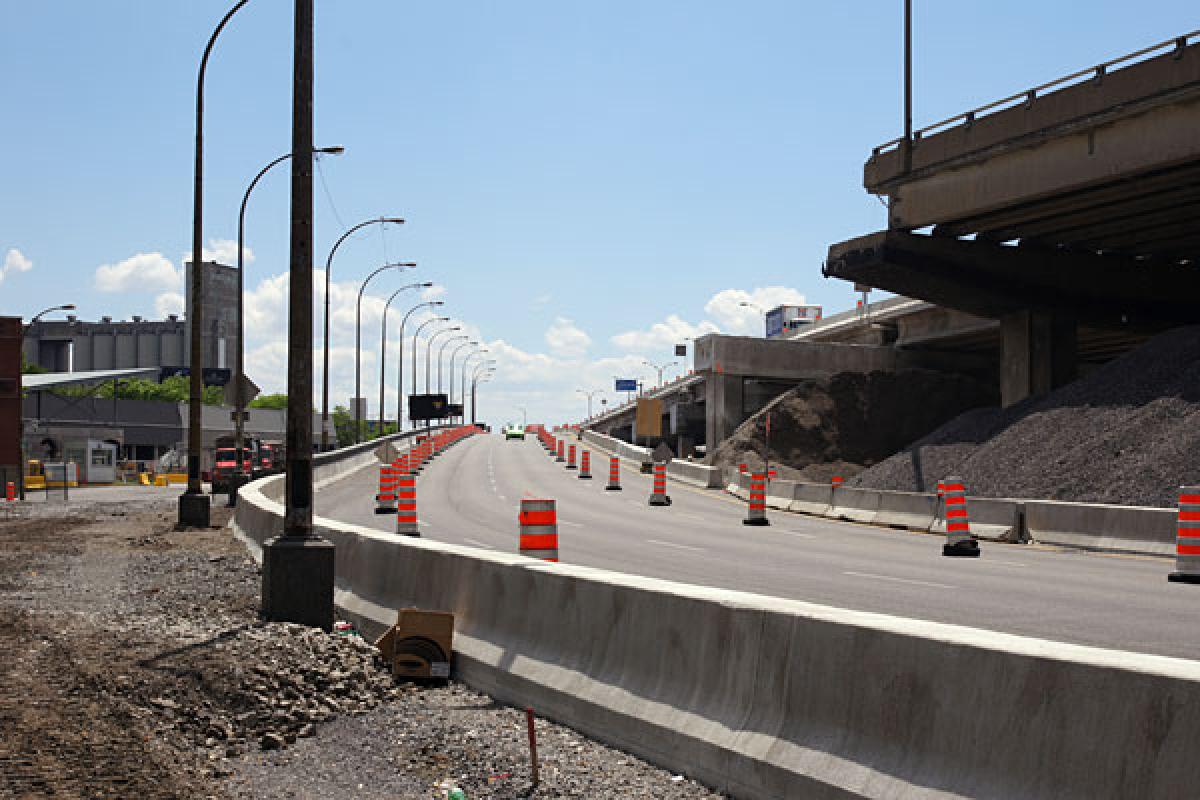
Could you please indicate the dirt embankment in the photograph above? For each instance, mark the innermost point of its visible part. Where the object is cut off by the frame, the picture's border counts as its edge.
(841, 424)
(1128, 433)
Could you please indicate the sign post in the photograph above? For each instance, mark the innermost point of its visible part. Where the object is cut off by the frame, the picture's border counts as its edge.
(767, 450)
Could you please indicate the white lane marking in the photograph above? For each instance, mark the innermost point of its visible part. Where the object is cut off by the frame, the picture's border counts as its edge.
(570, 524)
(478, 543)
(897, 580)
(797, 534)
(502, 497)
(678, 546)
(1003, 563)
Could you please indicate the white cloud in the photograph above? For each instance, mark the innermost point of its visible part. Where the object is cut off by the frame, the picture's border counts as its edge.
(725, 306)
(223, 251)
(168, 303)
(14, 261)
(662, 337)
(143, 272)
(567, 340)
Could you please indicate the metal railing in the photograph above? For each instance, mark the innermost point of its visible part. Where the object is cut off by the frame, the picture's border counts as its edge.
(1029, 96)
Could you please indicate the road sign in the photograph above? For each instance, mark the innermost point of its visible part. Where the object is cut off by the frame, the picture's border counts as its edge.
(681, 349)
(248, 386)
(626, 385)
(662, 454)
(649, 417)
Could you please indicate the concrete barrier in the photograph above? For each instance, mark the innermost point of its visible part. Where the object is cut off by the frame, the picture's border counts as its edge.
(994, 519)
(738, 484)
(767, 698)
(854, 505)
(909, 510)
(688, 472)
(1128, 529)
(812, 498)
(780, 494)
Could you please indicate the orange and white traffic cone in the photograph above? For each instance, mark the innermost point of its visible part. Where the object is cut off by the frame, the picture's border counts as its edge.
(756, 512)
(658, 497)
(1187, 537)
(571, 457)
(585, 466)
(10, 492)
(614, 474)
(959, 541)
(406, 505)
(836, 481)
(385, 501)
(562, 449)
(539, 529)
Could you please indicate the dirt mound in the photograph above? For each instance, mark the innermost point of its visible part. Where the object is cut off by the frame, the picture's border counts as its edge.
(1128, 433)
(840, 424)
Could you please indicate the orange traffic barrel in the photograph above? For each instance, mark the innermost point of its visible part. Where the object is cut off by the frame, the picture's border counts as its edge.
(1187, 537)
(571, 457)
(658, 497)
(10, 492)
(539, 529)
(614, 474)
(385, 501)
(585, 465)
(561, 451)
(406, 505)
(756, 512)
(836, 481)
(959, 541)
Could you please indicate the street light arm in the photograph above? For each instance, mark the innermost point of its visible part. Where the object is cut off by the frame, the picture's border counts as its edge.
(383, 350)
(358, 343)
(442, 353)
(400, 360)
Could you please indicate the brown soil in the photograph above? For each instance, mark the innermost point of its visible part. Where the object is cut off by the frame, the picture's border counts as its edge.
(844, 423)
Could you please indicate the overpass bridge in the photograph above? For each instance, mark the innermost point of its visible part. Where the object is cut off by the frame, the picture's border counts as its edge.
(1070, 206)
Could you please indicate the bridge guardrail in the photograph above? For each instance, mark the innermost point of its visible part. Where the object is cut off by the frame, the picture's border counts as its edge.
(761, 697)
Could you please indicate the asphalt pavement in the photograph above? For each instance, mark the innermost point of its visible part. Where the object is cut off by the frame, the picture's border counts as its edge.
(470, 496)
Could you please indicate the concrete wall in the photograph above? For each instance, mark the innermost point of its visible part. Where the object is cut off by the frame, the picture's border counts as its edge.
(768, 698)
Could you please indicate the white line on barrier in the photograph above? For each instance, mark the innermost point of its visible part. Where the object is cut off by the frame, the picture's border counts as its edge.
(897, 580)
(679, 546)
(478, 543)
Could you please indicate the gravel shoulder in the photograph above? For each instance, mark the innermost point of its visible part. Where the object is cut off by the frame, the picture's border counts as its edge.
(134, 665)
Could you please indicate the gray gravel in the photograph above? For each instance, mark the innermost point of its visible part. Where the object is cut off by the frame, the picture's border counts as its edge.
(1129, 433)
(166, 684)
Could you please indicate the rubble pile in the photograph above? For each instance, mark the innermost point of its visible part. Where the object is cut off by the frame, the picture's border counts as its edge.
(265, 685)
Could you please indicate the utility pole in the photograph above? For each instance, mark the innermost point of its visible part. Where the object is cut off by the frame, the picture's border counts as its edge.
(297, 576)
(908, 131)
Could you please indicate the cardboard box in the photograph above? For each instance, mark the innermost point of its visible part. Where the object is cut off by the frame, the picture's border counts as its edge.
(420, 644)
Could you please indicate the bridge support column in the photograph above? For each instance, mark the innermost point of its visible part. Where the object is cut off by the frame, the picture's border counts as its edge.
(724, 405)
(1038, 354)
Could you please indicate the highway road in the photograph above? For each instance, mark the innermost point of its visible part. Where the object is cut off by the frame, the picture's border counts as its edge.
(470, 496)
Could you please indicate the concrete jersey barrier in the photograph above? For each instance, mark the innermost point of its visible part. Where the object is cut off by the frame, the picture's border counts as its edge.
(688, 472)
(1103, 527)
(761, 697)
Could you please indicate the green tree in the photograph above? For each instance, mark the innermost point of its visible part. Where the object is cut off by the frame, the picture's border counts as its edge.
(29, 368)
(175, 389)
(276, 401)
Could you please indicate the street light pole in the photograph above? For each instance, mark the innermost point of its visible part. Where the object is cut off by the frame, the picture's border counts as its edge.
(429, 351)
(453, 354)
(442, 352)
(193, 504)
(524, 417)
(383, 350)
(416, 343)
(325, 341)
(358, 345)
(660, 369)
(589, 396)
(400, 362)
(475, 382)
(239, 388)
(20, 406)
(462, 391)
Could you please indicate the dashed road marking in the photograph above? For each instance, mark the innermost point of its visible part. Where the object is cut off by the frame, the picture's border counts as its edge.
(677, 546)
(898, 580)
(570, 524)
(477, 543)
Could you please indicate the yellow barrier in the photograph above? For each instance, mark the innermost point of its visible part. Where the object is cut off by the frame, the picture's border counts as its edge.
(160, 480)
(177, 477)
(144, 478)
(35, 482)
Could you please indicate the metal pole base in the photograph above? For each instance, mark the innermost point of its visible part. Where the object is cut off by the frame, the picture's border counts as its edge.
(966, 549)
(194, 510)
(297, 581)
(757, 521)
(1183, 577)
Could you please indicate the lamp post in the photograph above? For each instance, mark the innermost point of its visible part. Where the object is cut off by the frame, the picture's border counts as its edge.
(416, 341)
(358, 344)
(442, 352)
(239, 388)
(453, 354)
(400, 361)
(475, 381)
(383, 350)
(660, 369)
(21, 422)
(429, 351)
(589, 396)
(524, 417)
(462, 392)
(193, 504)
(325, 341)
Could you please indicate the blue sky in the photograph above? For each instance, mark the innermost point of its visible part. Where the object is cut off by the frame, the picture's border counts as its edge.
(573, 174)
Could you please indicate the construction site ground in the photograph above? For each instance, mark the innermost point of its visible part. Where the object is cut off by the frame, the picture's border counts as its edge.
(133, 663)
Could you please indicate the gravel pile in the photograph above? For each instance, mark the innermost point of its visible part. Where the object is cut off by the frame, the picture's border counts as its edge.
(1128, 433)
(840, 424)
(263, 686)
